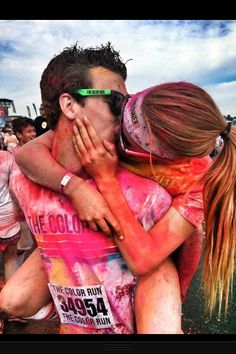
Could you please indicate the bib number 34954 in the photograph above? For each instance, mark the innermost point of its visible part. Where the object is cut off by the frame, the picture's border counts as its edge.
(85, 306)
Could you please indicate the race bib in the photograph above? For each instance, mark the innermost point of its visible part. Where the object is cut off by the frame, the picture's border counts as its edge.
(85, 306)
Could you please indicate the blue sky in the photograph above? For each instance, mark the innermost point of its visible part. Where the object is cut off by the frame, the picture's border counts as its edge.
(198, 51)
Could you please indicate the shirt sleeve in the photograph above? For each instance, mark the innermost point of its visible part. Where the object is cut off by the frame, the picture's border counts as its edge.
(190, 204)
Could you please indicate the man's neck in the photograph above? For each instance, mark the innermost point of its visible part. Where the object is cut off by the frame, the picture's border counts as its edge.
(63, 150)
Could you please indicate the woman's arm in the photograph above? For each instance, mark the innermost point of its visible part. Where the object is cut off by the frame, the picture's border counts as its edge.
(36, 161)
(142, 251)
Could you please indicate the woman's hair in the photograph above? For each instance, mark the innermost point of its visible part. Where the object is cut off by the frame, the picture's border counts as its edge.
(69, 70)
(186, 119)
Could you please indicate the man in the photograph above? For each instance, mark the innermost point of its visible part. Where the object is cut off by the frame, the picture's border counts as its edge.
(88, 279)
(40, 122)
(22, 245)
(24, 130)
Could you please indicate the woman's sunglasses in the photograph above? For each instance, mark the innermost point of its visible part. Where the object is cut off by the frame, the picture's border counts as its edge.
(115, 99)
(123, 141)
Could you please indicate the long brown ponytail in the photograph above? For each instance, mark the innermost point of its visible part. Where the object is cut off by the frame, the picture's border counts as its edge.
(220, 217)
(185, 118)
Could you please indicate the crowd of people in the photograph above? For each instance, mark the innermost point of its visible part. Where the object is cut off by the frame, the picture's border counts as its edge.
(116, 200)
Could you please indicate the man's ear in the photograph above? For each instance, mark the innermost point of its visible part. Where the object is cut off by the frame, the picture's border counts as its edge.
(69, 106)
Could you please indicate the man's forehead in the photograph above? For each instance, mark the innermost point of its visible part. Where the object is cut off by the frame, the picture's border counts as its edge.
(101, 70)
(28, 127)
(104, 78)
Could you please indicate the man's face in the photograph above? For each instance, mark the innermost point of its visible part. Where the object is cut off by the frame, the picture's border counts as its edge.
(28, 133)
(96, 107)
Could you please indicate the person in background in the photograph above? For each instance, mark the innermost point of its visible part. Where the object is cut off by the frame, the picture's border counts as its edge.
(40, 122)
(9, 224)
(10, 139)
(18, 251)
(24, 130)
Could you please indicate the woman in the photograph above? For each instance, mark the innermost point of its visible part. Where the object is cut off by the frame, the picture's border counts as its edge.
(181, 121)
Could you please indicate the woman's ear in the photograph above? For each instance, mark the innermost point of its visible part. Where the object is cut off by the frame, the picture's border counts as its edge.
(69, 106)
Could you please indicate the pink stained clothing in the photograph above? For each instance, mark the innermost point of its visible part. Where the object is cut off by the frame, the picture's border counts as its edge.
(5, 242)
(91, 286)
(9, 222)
(10, 141)
(182, 179)
(26, 241)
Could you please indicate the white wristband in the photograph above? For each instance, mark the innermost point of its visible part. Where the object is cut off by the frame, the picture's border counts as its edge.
(65, 180)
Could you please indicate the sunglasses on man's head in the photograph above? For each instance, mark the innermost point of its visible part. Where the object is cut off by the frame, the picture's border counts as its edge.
(115, 99)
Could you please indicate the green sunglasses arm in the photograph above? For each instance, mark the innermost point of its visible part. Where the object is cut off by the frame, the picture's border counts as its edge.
(93, 92)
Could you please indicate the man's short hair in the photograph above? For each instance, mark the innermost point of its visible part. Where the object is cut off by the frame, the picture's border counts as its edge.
(69, 70)
(20, 123)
